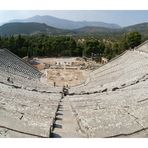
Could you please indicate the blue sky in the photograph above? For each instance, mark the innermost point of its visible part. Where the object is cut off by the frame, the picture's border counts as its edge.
(121, 17)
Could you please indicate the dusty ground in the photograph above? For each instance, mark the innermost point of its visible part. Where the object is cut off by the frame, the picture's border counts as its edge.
(63, 77)
(70, 77)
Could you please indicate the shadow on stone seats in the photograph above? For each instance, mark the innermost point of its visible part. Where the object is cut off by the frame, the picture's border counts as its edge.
(59, 113)
(54, 135)
(60, 106)
(60, 109)
(58, 118)
(57, 125)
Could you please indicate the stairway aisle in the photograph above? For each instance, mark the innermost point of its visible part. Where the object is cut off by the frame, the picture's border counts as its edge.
(66, 125)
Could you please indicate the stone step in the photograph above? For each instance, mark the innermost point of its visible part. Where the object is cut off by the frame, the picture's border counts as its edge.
(66, 125)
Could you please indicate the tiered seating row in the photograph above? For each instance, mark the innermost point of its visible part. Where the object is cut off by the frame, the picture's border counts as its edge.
(128, 68)
(25, 113)
(13, 64)
(121, 113)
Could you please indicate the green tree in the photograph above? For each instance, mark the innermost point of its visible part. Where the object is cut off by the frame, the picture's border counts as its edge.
(94, 46)
(133, 39)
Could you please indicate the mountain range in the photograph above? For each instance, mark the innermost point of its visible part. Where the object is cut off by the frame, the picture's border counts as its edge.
(29, 29)
(54, 26)
(65, 24)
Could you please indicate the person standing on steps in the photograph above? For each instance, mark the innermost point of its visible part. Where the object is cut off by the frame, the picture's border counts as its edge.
(63, 88)
(67, 86)
(54, 83)
(65, 91)
(62, 95)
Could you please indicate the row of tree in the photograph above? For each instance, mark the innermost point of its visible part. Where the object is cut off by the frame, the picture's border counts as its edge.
(57, 46)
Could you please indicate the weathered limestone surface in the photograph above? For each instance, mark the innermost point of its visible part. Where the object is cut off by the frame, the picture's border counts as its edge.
(113, 102)
(122, 109)
(126, 69)
(66, 125)
(117, 113)
(22, 111)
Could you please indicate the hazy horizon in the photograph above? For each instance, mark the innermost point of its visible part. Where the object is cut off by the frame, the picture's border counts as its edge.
(120, 17)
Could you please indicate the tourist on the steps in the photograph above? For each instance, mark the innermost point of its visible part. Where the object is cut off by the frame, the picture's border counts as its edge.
(63, 88)
(67, 86)
(62, 95)
(54, 84)
(65, 91)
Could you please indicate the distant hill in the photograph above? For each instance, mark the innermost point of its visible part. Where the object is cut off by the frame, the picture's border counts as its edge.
(41, 28)
(142, 28)
(96, 30)
(65, 24)
(28, 29)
